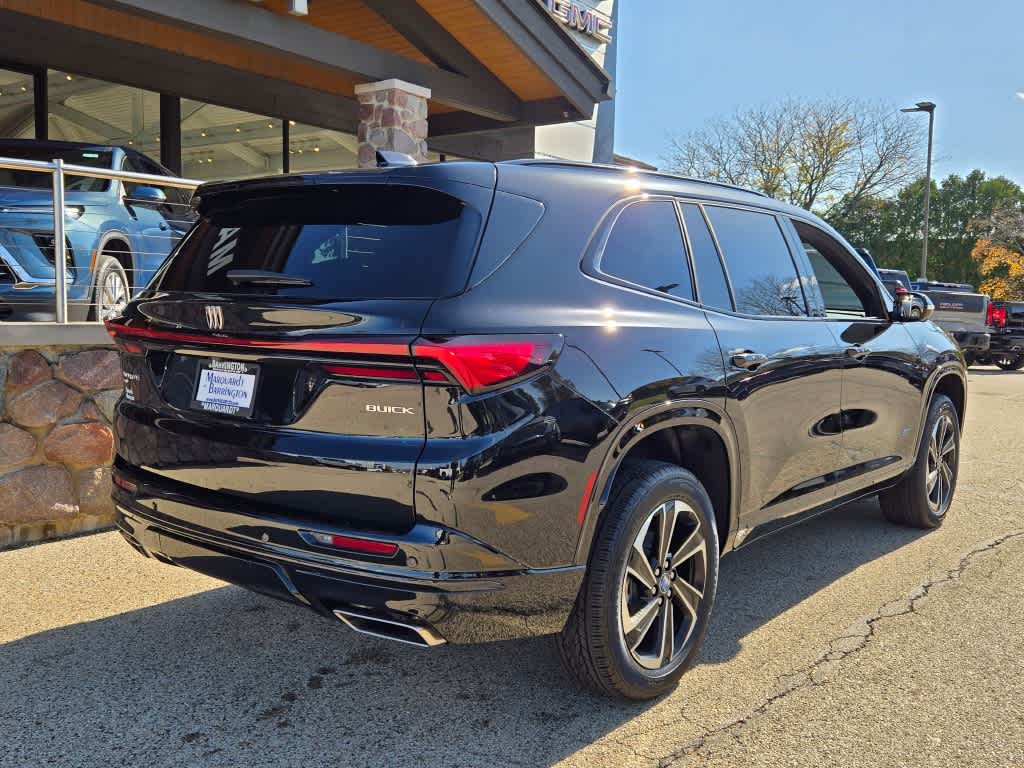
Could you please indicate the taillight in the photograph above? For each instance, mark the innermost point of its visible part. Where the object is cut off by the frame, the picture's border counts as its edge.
(996, 316)
(481, 362)
(353, 543)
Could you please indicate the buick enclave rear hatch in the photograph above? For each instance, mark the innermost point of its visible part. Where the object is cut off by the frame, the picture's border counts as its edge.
(270, 359)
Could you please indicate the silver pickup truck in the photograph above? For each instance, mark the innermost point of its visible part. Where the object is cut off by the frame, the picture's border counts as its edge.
(958, 309)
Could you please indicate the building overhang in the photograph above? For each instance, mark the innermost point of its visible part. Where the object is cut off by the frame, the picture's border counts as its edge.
(488, 63)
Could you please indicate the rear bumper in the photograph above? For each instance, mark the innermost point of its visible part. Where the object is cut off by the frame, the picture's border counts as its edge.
(971, 341)
(1007, 342)
(266, 555)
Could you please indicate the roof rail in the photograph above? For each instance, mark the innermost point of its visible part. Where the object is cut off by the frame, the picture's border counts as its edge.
(629, 169)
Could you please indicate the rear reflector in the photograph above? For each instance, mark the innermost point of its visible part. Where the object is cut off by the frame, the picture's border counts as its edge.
(386, 373)
(481, 362)
(354, 543)
(127, 485)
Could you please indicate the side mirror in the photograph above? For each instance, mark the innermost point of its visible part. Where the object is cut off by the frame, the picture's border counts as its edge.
(912, 307)
(144, 194)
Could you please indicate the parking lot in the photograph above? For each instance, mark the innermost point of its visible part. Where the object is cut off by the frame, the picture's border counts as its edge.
(845, 641)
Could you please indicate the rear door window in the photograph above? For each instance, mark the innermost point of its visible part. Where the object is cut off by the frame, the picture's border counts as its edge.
(711, 282)
(350, 242)
(764, 277)
(645, 248)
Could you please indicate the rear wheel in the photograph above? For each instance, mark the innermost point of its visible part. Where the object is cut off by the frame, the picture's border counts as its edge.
(922, 497)
(643, 610)
(1009, 362)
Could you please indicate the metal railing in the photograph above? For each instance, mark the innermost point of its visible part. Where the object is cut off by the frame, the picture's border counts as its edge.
(59, 170)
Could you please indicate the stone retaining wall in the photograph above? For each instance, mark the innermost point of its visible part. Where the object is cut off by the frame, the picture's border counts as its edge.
(56, 444)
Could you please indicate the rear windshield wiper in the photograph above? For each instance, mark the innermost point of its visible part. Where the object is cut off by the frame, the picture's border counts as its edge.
(261, 277)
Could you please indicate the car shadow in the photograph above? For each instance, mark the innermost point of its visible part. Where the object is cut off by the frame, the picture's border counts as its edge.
(229, 678)
(994, 372)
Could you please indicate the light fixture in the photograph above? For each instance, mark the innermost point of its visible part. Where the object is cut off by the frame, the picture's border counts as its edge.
(316, 148)
(237, 129)
(158, 138)
(23, 89)
(129, 142)
(67, 76)
(291, 122)
(270, 125)
(202, 133)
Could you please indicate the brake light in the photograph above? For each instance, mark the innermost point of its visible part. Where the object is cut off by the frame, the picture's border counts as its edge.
(996, 316)
(355, 544)
(481, 362)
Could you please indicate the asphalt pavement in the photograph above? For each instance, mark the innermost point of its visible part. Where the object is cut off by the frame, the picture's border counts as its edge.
(844, 641)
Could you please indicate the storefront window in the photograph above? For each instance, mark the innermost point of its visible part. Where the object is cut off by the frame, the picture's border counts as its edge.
(96, 111)
(16, 105)
(220, 143)
(319, 149)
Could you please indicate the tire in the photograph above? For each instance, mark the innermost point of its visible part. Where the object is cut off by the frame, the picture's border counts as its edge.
(1009, 362)
(594, 643)
(110, 277)
(914, 501)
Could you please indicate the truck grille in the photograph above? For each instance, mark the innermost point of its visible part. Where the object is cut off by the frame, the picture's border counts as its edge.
(45, 243)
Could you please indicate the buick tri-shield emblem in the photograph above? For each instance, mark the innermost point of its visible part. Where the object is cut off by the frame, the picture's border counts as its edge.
(214, 317)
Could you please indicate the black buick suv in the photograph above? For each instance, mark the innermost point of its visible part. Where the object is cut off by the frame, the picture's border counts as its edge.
(472, 401)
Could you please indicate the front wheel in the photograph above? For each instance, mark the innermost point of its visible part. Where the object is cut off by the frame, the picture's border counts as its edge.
(643, 610)
(1009, 362)
(922, 497)
(111, 292)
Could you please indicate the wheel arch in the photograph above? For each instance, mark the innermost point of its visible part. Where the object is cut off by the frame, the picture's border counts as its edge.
(695, 435)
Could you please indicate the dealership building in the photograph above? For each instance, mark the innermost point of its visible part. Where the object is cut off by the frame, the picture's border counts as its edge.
(236, 88)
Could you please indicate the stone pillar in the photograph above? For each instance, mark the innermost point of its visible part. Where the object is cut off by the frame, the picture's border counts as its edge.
(392, 116)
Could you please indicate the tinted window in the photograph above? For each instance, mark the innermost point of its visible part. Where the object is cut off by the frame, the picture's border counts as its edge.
(178, 200)
(711, 284)
(645, 247)
(840, 299)
(94, 158)
(764, 278)
(350, 242)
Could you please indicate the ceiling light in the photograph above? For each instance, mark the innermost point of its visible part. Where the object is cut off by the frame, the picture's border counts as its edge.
(68, 76)
(23, 89)
(291, 122)
(238, 130)
(316, 149)
(202, 133)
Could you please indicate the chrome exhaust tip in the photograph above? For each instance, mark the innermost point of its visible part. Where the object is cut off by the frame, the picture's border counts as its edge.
(401, 632)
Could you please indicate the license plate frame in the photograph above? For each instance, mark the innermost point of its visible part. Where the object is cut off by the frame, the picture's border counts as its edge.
(236, 382)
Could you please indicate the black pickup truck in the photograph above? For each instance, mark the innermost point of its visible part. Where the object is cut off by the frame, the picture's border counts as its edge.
(1006, 327)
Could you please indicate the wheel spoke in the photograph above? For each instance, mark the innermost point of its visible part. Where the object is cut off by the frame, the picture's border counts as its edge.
(666, 527)
(933, 477)
(693, 545)
(948, 446)
(639, 567)
(687, 595)
(637, 625)
(668, 633)
(947, 476)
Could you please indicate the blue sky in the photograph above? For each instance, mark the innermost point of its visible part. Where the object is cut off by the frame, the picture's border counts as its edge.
(681, 63)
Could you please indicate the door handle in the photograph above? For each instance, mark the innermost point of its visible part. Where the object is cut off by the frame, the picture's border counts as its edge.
(857, 352)
(747, 359)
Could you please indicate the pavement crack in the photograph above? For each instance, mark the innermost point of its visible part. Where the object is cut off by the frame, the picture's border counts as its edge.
(852, 641)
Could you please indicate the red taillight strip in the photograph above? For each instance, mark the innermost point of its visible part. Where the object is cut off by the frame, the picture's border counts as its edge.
(402, 374)
(581, 514)
(117, 331)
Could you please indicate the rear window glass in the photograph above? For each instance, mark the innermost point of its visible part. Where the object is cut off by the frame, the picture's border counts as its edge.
(646, 248)
(349, 242)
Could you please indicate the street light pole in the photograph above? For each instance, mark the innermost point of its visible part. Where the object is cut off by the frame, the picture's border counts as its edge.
(929, 107)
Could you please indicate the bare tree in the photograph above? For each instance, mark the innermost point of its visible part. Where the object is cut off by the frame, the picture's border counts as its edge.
(815, 154)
